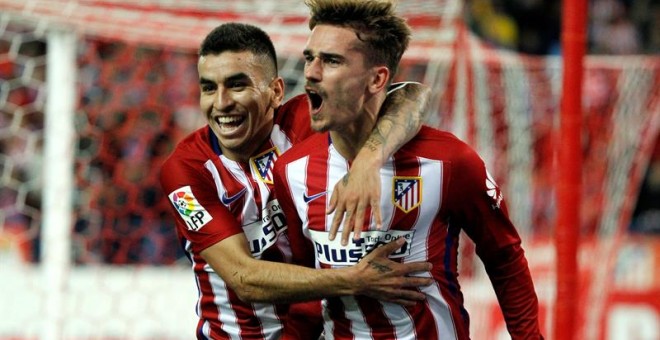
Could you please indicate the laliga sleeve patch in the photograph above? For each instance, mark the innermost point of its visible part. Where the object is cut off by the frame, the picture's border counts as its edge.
(493, 191)
(189, 208)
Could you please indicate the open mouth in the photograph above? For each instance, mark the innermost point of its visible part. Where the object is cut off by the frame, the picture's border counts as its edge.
(229, 121)
(315, 99)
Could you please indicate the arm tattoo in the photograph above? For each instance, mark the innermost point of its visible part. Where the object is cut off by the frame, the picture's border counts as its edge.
(378, 137)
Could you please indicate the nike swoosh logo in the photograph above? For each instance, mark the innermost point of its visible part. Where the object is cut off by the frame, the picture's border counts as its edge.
(227, 200)
(308, 199)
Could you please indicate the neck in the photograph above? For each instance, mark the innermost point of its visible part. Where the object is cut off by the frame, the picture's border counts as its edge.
(349, 140)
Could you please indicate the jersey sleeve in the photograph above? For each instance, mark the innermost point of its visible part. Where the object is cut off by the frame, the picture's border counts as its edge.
(199, 215)
(293, 118)
(478, 207)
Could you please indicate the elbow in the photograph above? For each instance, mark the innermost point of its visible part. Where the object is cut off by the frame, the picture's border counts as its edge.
(249, 294)
(248, 290)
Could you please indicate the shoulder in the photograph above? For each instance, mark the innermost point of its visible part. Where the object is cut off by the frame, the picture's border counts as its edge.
(294, 106)
(293, 118)
(188, 156)
(439, 144)
(298, 102)
(318, 142)
(196, 145)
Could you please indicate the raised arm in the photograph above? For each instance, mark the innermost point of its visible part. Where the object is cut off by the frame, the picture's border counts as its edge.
(401, 117)
(264, 281)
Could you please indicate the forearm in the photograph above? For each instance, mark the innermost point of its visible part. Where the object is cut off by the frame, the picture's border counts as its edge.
(401, 117)
(265, 281)
(256, 280)
(515, 292)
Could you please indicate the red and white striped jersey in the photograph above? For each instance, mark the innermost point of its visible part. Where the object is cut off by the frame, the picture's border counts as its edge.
(431, 189)
(213, 198)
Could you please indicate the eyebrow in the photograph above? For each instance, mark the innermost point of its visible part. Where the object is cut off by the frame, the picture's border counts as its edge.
(324, 55)
(234, 77)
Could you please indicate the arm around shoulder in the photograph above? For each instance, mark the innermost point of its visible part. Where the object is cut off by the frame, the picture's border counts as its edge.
(401, 117)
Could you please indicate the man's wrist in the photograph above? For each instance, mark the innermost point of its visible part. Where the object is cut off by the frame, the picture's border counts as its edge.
(351, 279)
(370, 159)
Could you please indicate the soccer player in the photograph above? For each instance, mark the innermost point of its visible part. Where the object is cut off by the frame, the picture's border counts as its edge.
(219, 180)
(433, 187)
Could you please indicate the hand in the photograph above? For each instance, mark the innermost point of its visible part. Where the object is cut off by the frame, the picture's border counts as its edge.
(386, 280)
(357, 191)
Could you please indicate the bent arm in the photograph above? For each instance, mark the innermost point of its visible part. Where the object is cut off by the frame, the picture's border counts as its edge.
(401, 117)
(265, 281)
(482, 211)
(404, 111)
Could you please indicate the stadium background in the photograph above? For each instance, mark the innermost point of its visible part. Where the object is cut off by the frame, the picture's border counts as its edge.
(496, 71)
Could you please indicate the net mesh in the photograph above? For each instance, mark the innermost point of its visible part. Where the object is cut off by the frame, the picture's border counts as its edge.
(137, 90)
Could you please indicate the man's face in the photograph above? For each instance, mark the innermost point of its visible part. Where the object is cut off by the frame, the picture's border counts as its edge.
(336, 77)
(238, 95)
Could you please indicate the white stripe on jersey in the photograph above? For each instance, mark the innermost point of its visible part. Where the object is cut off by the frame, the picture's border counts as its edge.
(402, 321)
(445, 324)
(298, 188)
(226, 314)
(279, 139)
(250, 213)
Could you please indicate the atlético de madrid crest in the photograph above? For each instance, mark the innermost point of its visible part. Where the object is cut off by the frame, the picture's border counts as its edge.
(406, 192)
(263, 164)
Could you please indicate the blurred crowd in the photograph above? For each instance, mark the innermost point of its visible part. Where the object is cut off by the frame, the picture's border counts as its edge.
(532, 26)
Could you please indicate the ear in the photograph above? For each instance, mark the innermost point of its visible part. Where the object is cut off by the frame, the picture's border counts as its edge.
(380, 79)
(277, 91)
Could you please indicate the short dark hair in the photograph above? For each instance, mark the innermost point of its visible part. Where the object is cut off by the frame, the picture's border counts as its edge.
(239, 37)
(375, 23)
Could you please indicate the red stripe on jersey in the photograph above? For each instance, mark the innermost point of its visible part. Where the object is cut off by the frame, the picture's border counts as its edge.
(376, 318)
(250, 328)
(342, 326)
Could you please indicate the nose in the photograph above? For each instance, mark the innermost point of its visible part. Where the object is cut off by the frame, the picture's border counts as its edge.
(223, 100)
(313, 70)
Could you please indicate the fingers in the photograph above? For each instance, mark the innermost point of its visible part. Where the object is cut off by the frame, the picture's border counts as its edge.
(387, 249)
(410, 296)
(339, 214)
(350, 201)
(416, 267)
(333, 202)
(414, 281)
(375, 212)
(358, 220)
(402, 296)
(346, 231)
